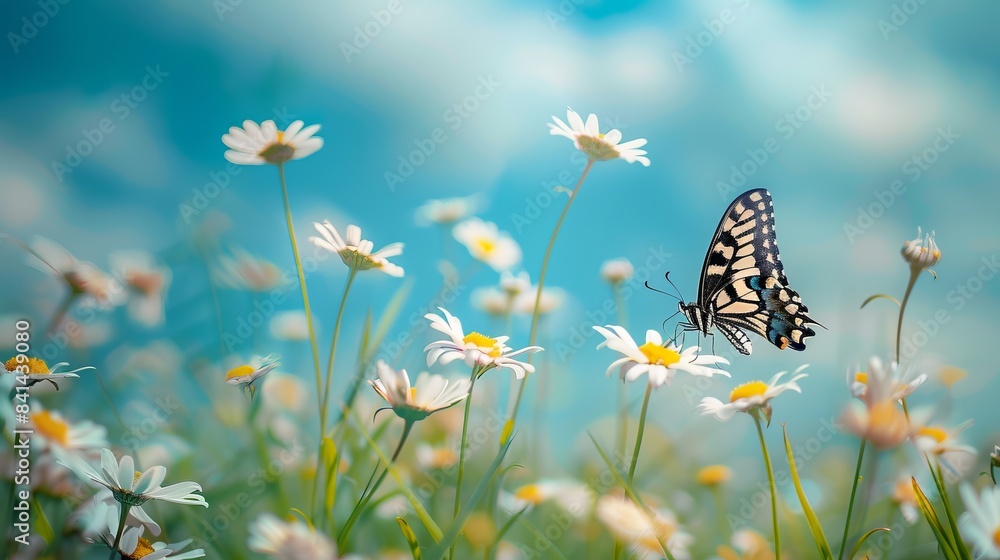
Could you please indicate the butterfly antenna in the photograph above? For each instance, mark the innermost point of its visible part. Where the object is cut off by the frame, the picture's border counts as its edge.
(680, 297)
(660, 291)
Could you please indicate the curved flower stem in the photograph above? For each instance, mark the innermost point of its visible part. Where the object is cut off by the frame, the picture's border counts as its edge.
(538, 295)
(476, 371)
(770, 479)
(57, 317)
(639, 432)
(360, 507)
(333, 348)
(309, 324)
(914, 274)
(122, 518)
(854, 491)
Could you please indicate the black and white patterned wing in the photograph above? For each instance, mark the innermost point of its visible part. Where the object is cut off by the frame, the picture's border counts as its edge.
(743, 281)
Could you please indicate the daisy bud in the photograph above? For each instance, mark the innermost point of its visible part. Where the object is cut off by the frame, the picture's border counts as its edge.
(921, 254)
(616, 271)
(995, 457)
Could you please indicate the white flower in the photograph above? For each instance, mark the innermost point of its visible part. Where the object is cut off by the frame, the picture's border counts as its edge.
(147, 281)
(37, 371)
(83, 278)
(436, 457)
(921, 254)
(515, 285)
(255, 145)
(881, 383)
(448, 210)
(644, 532)
(257, 367)
(748, 545)
(598, 147)
(63, 439)
(134, 547)
(752, 396)
(616, 271)
(356, 252)
(882, 423)
(428, 395)
(129, 487)
(980, 524)
(492, 300)
(243, 271)
(91, 518)
(288, 541)
(552, 299)
(476, 349)
(289, 325)
(943, 443)
(488, 244)
(572, 496)
(905, 497)
(654, 358)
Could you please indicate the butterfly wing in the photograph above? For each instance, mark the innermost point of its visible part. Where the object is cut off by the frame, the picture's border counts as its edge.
(743, 280)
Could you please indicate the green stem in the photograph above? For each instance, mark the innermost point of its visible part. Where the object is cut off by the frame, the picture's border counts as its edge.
(360, 507)
(333, 348)
(720, 510)
(914, 274)
(461, 451)
(122, 518)
(774, 493)
(538, 294)
(60, 313)
(854, 491)
(309, 323)
(639, 432)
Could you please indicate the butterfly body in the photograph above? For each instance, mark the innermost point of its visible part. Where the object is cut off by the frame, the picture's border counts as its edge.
(743, 284)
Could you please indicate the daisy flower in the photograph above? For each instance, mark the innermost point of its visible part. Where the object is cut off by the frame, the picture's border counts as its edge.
(643, 532)
(132, 488)
(921, 254)
(147, 281)
(883, 424)
(747, 544)
(243, 271)
(658, 360)
(588, 138)
(37, 371)
(905, 497)
(448, 210)
(134, 547)
(83, 278)
(289, 325)
(92, 517)
(943, 444)
(64, 439)
(356, 252)
(288, 540)
(257, 367)
(570, 495)
(515, 285)
(488, 244)
(436, 458)
(752, 396)
(258, 144)
(616, 271)
(714, 475)
(893, 383)
(428, 395)
(551, 300)
(492, 300)
(474, 348)
(980, 524)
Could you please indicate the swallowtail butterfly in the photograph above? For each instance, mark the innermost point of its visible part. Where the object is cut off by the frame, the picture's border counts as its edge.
(743, 284)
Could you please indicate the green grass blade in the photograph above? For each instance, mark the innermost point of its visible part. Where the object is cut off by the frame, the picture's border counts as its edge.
(411, 539)
(441, 549)
(42, 525)
(861, 541)
(932, 519)
(814, 525)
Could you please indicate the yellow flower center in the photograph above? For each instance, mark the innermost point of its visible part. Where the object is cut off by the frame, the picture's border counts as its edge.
(713, 475)
(486, 246)
(996, 537)
(861, 377)
(443, 457)
(951, 375)
(135, 477)
(51, 427)
(938, 434)
(240, 371)
(531, 493)
(35, 365)
(144, 548)
(659, 355)
(483, 341)
(148, 283)
(747, 390)
(413, 394)
(281, 137)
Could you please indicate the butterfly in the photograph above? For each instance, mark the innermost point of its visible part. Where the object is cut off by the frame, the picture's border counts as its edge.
(743, 284)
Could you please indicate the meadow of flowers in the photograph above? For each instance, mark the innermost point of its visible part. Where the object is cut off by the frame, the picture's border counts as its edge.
(327, 450)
